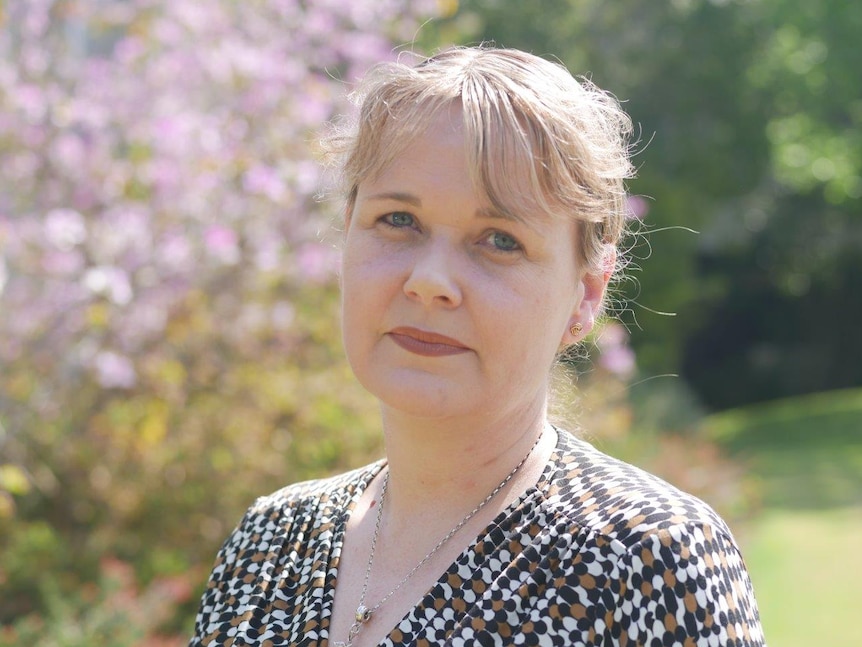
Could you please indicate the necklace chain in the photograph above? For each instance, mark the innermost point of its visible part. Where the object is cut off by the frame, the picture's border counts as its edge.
(363, 613)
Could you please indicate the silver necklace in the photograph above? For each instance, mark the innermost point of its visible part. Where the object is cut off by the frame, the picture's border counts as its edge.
(363, 613)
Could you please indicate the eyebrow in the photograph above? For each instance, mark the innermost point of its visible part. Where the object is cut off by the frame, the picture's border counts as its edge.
(397, 196)
(409, 198)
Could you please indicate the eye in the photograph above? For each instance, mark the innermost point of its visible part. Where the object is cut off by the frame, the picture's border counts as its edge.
(502, 242)
(399, 219)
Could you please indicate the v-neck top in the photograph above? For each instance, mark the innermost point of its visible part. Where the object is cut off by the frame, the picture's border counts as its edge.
(598, 552)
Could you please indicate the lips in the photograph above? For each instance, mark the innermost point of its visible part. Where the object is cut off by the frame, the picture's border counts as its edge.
(428, 344)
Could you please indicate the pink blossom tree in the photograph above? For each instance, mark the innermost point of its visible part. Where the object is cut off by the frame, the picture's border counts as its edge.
(167, 305)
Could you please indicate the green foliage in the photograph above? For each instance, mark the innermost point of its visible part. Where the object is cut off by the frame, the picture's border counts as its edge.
(750, 114)
(111, 612)
(157, 475)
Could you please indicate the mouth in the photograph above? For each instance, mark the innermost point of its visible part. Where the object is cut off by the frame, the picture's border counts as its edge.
(428, 344)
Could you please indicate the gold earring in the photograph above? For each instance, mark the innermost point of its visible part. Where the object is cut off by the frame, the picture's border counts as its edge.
(576, 329)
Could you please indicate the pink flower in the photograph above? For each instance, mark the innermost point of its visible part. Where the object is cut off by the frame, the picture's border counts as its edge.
(317, 263)
(172, 134)
(615, 355)
(111, 282)
(223, 243)
(619, 360)
(164, 174)
(115, 371)
(63, 263)
(638, 207)
(129, 50)
(68, 152)
(175, 252)
(32, 100)
(264, 180)
(65, 228)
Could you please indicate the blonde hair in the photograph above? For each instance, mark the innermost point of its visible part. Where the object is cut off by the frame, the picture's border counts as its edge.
(539, 141)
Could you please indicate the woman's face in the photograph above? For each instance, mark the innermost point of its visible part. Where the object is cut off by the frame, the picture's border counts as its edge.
(449, 309)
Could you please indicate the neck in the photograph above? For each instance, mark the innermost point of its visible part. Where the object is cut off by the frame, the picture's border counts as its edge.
(453, 463)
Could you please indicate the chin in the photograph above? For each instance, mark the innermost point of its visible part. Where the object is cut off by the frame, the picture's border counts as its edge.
(422, 397)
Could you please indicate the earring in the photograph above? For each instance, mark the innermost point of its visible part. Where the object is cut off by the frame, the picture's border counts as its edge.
(576, 329)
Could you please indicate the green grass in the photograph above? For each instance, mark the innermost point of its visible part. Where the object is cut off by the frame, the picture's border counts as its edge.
(806, 567)
(803, 550)
(806, 451)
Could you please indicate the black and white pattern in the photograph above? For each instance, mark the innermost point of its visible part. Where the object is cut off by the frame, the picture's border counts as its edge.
(597, 553)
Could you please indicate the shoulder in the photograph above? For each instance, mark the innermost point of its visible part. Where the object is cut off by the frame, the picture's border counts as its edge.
(333, 494)
(625, 504)
(314, 505)
(675, 572)
(333, 489)
(282, 536)
(302, 515)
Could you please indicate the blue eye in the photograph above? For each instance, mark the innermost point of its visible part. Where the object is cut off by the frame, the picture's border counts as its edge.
(503, 242)
(399, 219)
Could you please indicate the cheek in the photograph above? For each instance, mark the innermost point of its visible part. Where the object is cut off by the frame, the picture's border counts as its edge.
(520, 323)
(368, 281)
(372, 265)
(356, 301)
(356, 321)
(352, 279)
(355, 262)
(546, 319)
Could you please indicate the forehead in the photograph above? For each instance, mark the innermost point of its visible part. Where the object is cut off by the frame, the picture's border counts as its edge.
(431, 164)
(501, 161)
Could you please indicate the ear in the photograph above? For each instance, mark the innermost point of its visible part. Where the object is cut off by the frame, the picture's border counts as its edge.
(592, 290)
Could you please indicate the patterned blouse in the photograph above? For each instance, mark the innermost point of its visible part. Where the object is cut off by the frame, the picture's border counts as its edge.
(597, 553)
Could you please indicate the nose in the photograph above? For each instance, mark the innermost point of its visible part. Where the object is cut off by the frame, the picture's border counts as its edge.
(432, 279)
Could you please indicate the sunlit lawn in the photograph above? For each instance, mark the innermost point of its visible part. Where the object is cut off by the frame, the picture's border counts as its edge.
(805, 550)
(806, 567)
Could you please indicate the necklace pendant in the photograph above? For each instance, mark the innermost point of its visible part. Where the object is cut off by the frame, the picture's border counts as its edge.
(363, 614)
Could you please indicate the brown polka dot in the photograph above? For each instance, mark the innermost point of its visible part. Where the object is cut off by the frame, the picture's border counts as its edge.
(669, 579)
(690, 603)
(670, 622)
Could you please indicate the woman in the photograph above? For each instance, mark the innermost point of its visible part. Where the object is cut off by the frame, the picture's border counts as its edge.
(485, 199)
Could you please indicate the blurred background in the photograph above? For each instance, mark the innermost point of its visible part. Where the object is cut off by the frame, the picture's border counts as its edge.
(169, 336)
